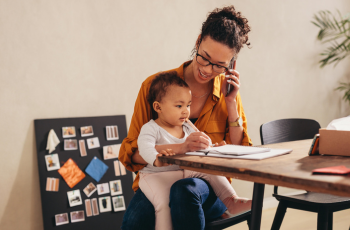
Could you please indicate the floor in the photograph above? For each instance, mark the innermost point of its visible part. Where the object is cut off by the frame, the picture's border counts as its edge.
(295, 219)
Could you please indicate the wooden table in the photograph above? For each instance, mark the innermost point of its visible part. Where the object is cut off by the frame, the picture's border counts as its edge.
(292, 170)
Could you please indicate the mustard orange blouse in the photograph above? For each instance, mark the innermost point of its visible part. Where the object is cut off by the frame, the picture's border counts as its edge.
(213, 120)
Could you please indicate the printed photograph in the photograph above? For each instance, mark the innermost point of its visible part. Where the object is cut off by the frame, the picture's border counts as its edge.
(82, 148)
(52, 162)
(105, 204)
(93, 143)
(116, 187)
(112, 133)
(52, 184)
(90, 189)
(88, 207)
(102, 188)
(86, 131)
(61, 219)
(77, 216)
(74, 198)
(111, 151)
(94, 207)
(70, 144)
(68, 132)
(118, 203)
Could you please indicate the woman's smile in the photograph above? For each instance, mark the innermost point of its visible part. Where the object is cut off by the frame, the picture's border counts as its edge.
(202, 75)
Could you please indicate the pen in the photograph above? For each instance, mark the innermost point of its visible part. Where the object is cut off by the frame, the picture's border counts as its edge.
(195, 128)
(192, 125)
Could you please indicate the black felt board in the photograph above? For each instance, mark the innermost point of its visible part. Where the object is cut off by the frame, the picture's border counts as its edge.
(54, 203)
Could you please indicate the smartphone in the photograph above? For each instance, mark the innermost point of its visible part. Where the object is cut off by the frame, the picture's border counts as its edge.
(232, 65)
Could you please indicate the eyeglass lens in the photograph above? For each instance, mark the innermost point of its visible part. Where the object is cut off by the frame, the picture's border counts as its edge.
(202, 61)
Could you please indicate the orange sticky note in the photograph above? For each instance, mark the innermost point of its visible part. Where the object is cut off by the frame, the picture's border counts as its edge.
(71, 173)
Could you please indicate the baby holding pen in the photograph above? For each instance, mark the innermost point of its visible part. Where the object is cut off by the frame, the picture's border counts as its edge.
(170, 99)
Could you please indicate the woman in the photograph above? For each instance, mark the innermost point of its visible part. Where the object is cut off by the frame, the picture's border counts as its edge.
(213, 111)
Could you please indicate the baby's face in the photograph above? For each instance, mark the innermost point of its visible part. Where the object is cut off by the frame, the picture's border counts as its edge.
(175, 105)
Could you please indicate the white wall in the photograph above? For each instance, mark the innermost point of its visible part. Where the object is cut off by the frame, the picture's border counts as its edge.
(61, 58)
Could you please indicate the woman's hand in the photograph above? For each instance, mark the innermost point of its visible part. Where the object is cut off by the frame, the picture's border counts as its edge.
(167, 152)
(235, 84)
(220, 144)
(196, 141)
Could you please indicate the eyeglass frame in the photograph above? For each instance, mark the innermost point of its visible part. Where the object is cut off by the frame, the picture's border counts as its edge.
(210, 63)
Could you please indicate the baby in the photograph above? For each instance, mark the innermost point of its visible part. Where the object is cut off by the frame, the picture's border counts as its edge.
(170, 100)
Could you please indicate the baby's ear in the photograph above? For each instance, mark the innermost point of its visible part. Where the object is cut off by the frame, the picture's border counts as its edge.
(156, 106)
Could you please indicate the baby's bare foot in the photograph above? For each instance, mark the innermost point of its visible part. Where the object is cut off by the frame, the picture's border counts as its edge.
(237, 205)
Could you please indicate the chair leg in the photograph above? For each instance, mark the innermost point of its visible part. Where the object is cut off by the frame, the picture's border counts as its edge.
(280, 212)
(248, 222)
(330, 221)
(323, 219)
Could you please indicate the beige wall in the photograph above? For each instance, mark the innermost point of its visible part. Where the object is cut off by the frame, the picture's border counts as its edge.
(68, 58)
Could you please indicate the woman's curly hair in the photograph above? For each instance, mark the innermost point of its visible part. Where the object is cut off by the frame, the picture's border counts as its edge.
(226, 26)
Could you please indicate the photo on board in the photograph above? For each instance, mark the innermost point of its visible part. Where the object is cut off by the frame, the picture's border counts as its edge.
(77, 216)
(90, 189)
(82, 148)
(111, 151)
(88, 207)
(102, 188)
(74, 198)
(116, 187)
(61, 219)
(86, 131)
(70, 144)
(112, 133)
(94, 205)
(105, 204)
(68, 132)
(118, 203)
(93, 143)
(52, 184)
(52, 162)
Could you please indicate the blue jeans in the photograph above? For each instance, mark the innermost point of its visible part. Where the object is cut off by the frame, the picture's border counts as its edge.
(192, 202)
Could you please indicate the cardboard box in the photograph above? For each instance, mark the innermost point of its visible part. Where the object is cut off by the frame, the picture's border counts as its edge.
(334, 142)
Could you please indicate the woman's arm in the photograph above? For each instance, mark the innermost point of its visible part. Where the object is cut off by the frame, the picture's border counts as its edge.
(136, 158)
(141, 115)
(238, 135)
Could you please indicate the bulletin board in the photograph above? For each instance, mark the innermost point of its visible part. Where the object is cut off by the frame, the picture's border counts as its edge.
(54, 203)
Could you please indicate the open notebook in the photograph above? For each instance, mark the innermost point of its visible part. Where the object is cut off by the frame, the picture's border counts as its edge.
(237, 150)
(241, 152)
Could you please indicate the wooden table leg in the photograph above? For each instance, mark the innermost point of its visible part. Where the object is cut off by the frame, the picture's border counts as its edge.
(257, 204)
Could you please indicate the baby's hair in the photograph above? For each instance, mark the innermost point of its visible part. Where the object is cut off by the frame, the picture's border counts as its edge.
(159, 87)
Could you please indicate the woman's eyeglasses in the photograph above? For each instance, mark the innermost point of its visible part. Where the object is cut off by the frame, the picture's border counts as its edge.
(205, 62)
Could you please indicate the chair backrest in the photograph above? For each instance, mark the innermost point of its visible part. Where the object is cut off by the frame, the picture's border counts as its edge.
(283, 130)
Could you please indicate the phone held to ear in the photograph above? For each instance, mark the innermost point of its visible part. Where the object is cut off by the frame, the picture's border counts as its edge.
(231, 66)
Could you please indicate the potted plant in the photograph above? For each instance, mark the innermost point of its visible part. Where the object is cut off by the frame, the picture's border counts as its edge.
(335, 32)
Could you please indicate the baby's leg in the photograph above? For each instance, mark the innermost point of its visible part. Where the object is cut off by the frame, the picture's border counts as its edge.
(224, 191)
(156, 187)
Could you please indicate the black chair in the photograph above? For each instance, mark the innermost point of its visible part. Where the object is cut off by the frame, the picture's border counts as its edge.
(226, 220)
(292, 130)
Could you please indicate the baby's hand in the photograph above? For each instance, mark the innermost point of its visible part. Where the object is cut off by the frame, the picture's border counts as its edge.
(168, 152)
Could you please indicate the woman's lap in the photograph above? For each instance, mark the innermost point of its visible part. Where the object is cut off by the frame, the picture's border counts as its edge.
(191, 201)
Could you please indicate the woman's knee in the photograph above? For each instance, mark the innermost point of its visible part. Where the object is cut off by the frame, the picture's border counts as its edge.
(187, 190)
(139, 214)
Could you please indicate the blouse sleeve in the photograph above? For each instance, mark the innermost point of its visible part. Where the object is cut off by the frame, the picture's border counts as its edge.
(147, 142)
(246, 139)
(142, 114)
